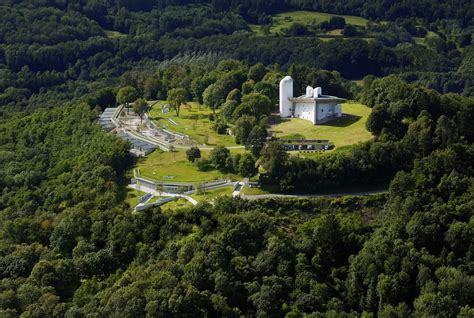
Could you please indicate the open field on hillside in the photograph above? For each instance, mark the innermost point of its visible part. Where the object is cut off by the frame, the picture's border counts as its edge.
(176, 204)
(253, 191)
(344, 131)
(114, 34)
(212, 194)
(174, 166)
(285, 19)
(193, 121)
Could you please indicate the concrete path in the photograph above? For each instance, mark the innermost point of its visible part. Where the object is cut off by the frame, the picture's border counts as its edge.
(205, 147)
(326, 195)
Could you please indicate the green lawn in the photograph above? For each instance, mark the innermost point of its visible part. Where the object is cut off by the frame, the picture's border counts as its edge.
(174, 166)
(253, 191)
(114, 34)
(284, 20)
(176, 204)
(209, 195)
(341, 132)
(133, 196)
(193, 121)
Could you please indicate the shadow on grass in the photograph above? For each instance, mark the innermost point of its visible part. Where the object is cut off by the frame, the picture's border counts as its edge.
(295, 136)
(123, 181)
(194, 116)
(275, 120)
(344, 121)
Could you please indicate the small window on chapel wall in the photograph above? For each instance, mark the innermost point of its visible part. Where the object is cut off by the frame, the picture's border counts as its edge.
(322, 110)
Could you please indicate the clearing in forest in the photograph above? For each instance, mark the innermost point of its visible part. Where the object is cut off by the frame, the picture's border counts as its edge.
(309, 18)
(175, 167)
(193, 121)
(347, 130)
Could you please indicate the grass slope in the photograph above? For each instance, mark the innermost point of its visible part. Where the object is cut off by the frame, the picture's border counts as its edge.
(174, 166)
(341, 132)
(212, 194)
(253, 191)
(114, 34)
(285, 19)
(180, 203)
(193, 121)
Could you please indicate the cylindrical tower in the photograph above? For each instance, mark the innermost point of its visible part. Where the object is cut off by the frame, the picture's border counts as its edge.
(286, 92)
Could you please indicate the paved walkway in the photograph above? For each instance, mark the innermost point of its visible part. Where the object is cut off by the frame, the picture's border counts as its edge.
(205, 147)
(326, 195)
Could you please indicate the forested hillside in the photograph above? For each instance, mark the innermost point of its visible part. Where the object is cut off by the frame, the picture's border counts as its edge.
(70, 246)
(62, 50)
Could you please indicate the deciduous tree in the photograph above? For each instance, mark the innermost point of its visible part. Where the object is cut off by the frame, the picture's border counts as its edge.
(176, 97)
(126, 95)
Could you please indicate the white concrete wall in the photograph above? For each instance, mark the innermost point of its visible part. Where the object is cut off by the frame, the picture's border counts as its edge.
(325, 110)
(305, 111)
(286, 92)
(338, 110)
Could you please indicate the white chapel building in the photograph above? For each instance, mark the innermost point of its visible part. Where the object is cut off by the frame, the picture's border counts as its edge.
(313, 106)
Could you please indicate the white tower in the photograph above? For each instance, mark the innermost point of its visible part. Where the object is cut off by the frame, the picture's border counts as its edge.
(318, 92)
(309, 91)
(286, 92)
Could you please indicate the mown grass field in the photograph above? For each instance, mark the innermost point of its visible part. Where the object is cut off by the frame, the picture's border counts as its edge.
(341, 132)
(174, 166)
(253, 191)
(176, 204)
(284, 20)
(193, 121)
(114, 34)
(212, 194)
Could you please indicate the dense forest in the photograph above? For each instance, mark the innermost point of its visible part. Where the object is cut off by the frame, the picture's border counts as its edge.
(64, 50)
(70, 246)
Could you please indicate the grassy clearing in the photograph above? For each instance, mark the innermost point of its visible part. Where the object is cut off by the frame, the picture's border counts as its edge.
(174, 166)
(284, 20)
(176, 204)
(359, 82)
(257, 29)
(114, 34)
(253, 191)
(210, 195)
(422, 40)
(341, 132)
(193, 121)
